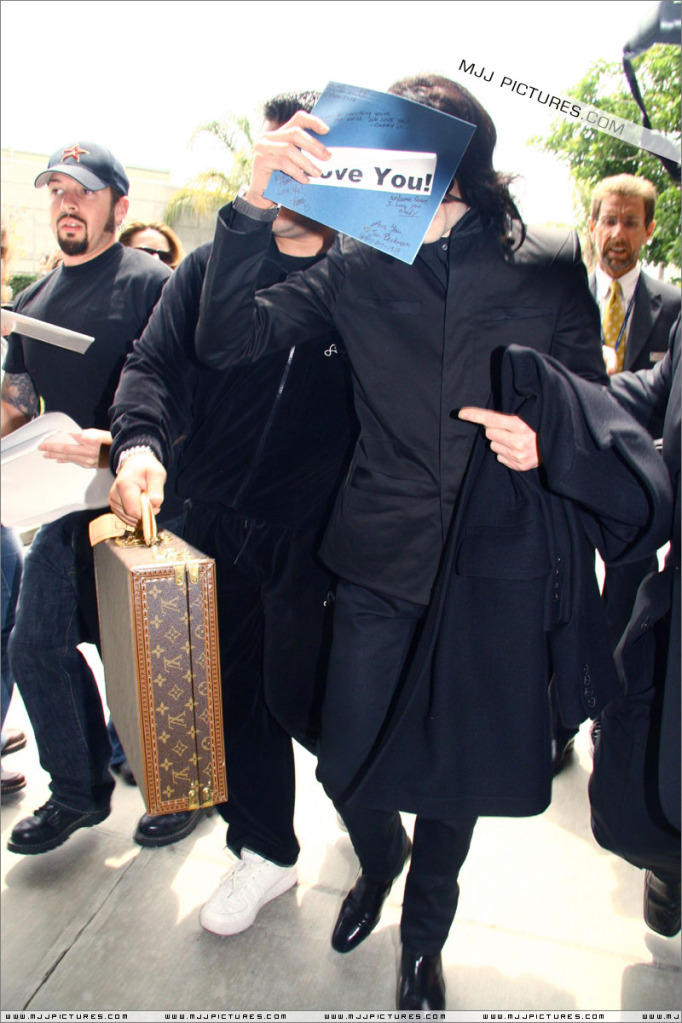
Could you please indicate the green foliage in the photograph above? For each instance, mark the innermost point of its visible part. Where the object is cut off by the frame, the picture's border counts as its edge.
(211, 189)
(592, 154)
(20, 281)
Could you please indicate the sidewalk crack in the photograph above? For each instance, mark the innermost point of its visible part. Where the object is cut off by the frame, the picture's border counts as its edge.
(62, 955)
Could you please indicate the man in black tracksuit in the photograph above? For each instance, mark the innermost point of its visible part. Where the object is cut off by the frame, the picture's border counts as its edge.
(259, 451)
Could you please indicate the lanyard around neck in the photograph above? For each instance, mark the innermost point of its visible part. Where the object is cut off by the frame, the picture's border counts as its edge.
(626, 318)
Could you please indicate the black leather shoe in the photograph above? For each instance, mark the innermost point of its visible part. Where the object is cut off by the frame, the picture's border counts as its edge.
(166, 828)
(125, 772)
(361, 909)
(421, 984)
(562, 749)
(661, 905)
(49, 827)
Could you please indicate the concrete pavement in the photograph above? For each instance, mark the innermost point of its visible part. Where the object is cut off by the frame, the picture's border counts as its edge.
(547, 920)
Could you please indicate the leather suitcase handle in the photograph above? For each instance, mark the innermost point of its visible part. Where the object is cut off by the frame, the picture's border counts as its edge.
(106, 527)
(148, 521)
(109, 526)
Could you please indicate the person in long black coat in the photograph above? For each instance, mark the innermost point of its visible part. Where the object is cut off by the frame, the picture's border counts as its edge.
(635, 785)
(622, 222)
(423, 341)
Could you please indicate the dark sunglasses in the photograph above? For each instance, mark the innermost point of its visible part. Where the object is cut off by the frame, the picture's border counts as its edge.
(164, 256)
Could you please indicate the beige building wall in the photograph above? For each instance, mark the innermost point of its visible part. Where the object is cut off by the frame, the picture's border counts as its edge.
(24, 208)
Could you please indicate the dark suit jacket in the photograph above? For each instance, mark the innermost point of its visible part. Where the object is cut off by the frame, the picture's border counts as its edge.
(641, 739)
(423, 339)
(657, 306)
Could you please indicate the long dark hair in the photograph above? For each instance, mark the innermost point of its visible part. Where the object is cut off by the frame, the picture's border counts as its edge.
(282, 108)
(481, 186)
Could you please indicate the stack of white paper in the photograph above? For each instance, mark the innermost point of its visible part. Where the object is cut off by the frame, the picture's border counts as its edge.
(35, 489)
(50, 332)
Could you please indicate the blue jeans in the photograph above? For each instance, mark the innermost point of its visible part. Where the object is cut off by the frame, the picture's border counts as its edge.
(10, 569)
(57, 610)
(118, 754)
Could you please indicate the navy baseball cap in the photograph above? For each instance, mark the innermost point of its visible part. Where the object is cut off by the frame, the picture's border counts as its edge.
(92, 166)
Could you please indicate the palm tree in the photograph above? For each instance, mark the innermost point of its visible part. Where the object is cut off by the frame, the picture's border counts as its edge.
(212, 188)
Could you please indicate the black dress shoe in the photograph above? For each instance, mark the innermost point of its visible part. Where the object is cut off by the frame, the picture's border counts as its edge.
(421, 984)
(125, 772)
(361, 909)
(166, 828)
(562, 749)
(661, 905)
(49, 827)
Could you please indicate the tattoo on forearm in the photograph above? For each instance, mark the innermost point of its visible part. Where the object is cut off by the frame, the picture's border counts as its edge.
(19, 392)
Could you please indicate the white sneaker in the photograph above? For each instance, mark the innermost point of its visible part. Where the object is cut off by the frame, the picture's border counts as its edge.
(251, 883)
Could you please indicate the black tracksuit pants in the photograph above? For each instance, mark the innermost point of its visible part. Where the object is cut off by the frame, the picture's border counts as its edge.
(273, 620)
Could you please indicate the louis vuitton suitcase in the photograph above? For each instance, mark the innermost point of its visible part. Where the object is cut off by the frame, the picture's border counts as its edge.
(159, 640)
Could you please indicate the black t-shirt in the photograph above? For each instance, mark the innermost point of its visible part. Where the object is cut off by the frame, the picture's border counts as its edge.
(110, 297)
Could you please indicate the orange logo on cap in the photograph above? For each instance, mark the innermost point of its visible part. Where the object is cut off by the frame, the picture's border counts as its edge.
(75, 151)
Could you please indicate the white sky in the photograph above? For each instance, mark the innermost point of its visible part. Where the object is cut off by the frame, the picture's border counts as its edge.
(138, 77)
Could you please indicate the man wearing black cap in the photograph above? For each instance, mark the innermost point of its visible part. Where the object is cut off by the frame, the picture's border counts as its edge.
(108, 291)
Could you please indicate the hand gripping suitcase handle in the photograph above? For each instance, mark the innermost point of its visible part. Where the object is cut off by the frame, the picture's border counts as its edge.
(148, 521)
(109, 527)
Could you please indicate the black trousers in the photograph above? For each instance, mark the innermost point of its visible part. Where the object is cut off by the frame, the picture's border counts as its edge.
(373, 639)
(274, 627)
(431, 887)
(621, 583)
(626, 812)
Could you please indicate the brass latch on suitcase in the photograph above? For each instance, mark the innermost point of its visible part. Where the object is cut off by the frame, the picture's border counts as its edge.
(192, 569)
(206, 797)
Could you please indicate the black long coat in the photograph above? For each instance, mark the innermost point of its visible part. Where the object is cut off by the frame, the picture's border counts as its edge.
(419, 347)
(517, 599)
(424, 340)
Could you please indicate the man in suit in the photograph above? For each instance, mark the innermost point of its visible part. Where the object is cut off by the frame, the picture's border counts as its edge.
(637, 313)
(635, 785)
(621, 223)
(423, 340)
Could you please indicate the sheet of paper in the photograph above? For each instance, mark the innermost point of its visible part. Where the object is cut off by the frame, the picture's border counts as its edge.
(49, 332)
(392, 162)
(35, 489)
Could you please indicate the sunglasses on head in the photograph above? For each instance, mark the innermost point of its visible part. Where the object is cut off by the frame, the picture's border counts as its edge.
(163, 254)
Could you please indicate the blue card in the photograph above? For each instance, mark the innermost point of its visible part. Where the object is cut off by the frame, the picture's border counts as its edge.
(392, 163)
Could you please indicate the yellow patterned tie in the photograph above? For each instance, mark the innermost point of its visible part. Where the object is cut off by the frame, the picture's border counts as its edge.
(612, 322)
